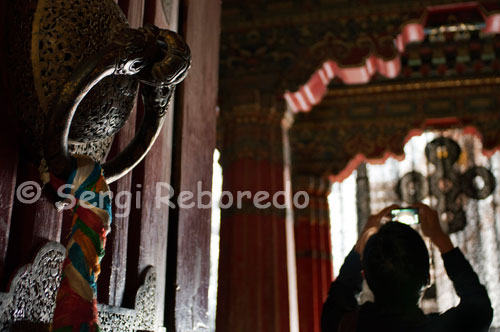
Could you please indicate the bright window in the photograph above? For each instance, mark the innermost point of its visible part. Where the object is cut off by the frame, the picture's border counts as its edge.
(214, 240)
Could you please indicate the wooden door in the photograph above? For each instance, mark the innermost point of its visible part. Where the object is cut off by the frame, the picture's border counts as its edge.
(136, 275)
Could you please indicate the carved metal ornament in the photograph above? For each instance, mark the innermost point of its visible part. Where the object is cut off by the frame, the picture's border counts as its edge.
(75, 70)
(33, 289)
(141, 318)
(446, 183)
(32, 293)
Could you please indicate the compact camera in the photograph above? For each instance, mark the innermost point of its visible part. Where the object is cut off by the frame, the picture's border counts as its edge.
(408, 216)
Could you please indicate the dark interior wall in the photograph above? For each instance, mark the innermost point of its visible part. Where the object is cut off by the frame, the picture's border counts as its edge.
(8, 151)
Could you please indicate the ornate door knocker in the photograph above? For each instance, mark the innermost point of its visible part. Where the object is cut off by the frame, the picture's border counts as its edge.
(74, 72)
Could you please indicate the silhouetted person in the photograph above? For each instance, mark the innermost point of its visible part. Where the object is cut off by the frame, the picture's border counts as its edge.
(395, 264)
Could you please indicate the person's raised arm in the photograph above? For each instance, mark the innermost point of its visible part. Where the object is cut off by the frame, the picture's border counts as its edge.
(431, 228)
(342, 295)
(474, 313)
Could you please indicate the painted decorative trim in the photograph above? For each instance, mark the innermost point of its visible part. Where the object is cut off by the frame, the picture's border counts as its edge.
(411, 86)
(313, 91)
(33, 289)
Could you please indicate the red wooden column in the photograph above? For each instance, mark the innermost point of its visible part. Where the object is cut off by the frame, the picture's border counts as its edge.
(313, 250)
(253, 284)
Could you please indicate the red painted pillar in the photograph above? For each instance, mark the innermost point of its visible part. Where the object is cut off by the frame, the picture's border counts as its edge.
(253, 284)
(313, 250)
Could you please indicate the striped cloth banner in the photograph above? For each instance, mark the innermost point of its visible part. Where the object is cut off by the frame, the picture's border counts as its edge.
(87, 192)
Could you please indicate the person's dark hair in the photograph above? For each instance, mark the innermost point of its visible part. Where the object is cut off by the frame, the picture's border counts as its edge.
(396, 264)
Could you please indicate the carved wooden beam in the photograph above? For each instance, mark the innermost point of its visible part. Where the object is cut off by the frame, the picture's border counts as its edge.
(370, 122)
(280, 45)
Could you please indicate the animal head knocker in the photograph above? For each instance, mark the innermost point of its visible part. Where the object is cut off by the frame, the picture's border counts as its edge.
(75, 74)
(158, 58)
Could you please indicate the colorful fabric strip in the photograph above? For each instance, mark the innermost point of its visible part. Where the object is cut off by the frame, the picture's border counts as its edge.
(76, 304)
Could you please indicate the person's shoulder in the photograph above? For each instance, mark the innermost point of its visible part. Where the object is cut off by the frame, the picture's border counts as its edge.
(368, 310)
(369, 318)
(448, 321)
(368, 307)
(432, 315)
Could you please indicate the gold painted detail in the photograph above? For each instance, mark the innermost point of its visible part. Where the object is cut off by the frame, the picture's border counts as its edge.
(414, 86)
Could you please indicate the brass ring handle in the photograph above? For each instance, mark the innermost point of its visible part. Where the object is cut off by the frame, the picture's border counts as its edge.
(159, 58)
(155, 104)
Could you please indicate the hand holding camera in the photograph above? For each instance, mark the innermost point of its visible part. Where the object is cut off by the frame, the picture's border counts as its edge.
(429, 223)
(372, 226)
(419, 213)
(428, 220)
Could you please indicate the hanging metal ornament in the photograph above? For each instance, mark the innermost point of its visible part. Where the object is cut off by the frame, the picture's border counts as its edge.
(446, 183)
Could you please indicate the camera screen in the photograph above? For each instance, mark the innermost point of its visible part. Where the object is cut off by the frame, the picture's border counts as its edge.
(405, 216)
